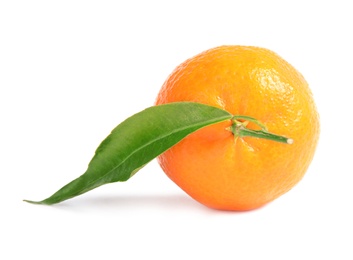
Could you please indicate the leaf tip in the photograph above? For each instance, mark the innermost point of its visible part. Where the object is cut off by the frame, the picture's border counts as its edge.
(34, 202)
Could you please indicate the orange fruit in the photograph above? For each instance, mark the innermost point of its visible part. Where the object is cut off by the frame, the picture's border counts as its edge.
(226, 172)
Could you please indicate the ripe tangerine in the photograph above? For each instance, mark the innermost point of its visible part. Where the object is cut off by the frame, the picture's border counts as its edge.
(226, 172)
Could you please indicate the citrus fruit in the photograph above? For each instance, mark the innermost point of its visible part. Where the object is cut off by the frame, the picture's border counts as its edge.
(221, 169)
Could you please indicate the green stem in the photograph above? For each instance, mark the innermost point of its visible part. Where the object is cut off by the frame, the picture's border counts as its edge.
(239, 129)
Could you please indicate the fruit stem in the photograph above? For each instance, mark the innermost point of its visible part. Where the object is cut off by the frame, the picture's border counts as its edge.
(239, 129)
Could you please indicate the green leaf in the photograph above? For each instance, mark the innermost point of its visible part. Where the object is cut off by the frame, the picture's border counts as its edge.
(138, 140)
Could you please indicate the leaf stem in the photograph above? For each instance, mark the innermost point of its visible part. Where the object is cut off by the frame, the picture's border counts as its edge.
(239, 129)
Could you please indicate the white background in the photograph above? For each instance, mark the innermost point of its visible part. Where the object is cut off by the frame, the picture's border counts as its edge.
(70, 71)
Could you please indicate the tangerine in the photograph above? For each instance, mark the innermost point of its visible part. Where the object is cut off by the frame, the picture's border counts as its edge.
(215, 166)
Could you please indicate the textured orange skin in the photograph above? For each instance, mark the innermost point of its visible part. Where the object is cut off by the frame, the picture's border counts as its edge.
(226, 173)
